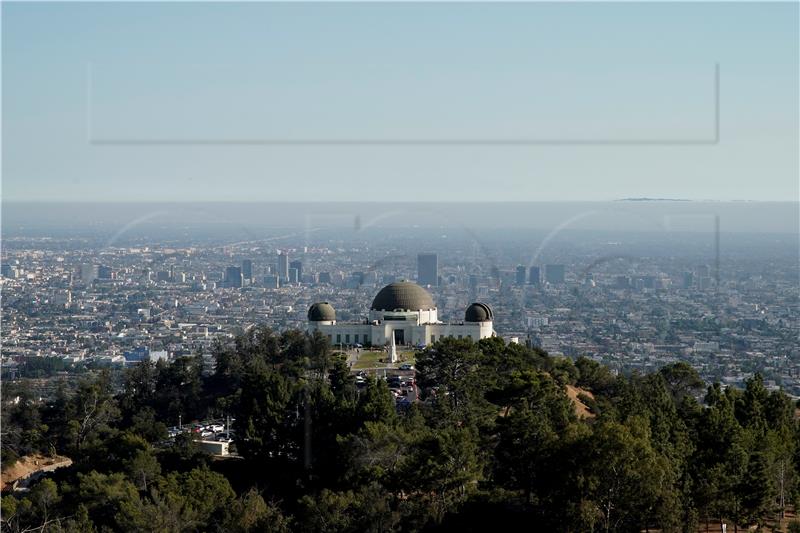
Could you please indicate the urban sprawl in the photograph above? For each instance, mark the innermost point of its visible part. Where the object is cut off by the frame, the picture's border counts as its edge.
(98, 305)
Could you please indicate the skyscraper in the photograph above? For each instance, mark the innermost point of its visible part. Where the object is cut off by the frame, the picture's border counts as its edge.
(233, 277)
(88, 273)
(554, 274)
(520, 279)
(428, 269)
(534, 276)
(247, 269)
(283, 266)
(297, 265)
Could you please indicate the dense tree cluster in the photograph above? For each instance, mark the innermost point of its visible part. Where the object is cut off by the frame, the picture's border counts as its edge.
(45, 366)
(494, 443)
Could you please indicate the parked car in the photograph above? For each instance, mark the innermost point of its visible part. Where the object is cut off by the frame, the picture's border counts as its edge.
(406, 366)
(216, 428)
(402, 402)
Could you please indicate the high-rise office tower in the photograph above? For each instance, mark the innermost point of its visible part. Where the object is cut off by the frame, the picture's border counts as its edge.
(428, 269)
(370, 278)
(294, 275)
(283, 265)
(474, 280)
(88, 273)
(520, 279)
(534, 276)
(247, 269)
(104, 272)
(297, 265)
(554, 274)
(703, 276)
(233, 277)
(325, 277)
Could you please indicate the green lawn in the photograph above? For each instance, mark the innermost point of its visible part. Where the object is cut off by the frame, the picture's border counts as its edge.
(369, 359)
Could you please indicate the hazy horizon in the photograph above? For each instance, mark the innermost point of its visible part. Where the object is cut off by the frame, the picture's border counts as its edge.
(626, 216)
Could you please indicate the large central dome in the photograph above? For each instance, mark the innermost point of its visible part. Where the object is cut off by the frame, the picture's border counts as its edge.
(402, 295)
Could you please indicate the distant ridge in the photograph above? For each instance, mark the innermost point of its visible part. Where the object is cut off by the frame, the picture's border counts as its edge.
(644, 199)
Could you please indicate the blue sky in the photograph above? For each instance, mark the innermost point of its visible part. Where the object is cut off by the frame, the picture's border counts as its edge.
(103, 101)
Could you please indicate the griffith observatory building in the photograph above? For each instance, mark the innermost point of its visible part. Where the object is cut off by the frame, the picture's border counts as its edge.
(405, 310)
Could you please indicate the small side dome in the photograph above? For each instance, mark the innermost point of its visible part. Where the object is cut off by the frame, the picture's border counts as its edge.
(478, 312)
(321, 312)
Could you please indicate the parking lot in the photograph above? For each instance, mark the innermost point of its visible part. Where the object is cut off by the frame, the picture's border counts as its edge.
(401, 381)
(209, 430)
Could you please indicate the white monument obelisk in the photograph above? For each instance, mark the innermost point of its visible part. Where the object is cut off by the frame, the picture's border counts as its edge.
(393, 351)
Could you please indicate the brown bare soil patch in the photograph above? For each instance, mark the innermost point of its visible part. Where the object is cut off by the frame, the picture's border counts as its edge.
(581, 410)
(29, 464)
